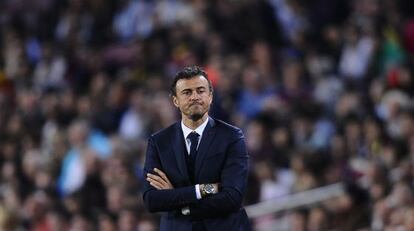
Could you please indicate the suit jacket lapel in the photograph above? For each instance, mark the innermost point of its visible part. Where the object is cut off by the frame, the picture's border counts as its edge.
(205, 144)
(178, 145)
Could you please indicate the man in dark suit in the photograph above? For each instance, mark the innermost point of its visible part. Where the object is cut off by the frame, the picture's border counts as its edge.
(196, 169)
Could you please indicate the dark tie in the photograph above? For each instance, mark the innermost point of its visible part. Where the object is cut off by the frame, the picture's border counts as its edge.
(193, 137)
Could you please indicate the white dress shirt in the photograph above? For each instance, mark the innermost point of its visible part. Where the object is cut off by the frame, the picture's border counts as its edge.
(186, 131)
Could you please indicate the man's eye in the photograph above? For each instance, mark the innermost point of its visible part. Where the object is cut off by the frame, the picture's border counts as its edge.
(201, 91)
(187, 93)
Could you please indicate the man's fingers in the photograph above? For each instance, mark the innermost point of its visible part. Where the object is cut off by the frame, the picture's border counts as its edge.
(156, 178)
(156, 185)
(161, 179)
(162, 175)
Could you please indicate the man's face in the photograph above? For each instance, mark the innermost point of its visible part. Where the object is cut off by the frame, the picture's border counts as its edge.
(193, 97)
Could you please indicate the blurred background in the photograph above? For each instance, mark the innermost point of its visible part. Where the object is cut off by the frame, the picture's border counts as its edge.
(323, 90)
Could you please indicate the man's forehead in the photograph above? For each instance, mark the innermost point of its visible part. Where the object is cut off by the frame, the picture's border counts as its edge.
(197, 81)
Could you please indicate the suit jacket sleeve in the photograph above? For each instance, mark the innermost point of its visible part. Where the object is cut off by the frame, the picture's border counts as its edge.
(233, 182)
(163, 200)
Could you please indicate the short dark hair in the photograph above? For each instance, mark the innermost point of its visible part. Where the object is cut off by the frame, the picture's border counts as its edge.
(188, 73)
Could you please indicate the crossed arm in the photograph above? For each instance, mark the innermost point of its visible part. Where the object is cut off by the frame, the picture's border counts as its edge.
(161, 195)
(161, 181)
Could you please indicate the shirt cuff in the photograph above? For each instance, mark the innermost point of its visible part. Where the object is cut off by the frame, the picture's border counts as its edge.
(197, 189)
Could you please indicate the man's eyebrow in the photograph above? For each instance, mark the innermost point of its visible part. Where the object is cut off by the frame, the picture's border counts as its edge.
(186, 89)
(190, 89)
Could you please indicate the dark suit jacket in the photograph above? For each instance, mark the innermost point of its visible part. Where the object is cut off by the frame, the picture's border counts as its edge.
(221, 158)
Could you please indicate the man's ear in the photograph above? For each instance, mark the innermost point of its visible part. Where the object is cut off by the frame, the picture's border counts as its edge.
(174, 99)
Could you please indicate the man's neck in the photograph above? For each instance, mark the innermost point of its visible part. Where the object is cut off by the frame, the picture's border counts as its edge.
(194, 124)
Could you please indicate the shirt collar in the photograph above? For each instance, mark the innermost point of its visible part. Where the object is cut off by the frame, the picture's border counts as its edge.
(199, 129)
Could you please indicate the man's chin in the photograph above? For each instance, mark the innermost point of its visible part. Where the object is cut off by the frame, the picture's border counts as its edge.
(196, 117)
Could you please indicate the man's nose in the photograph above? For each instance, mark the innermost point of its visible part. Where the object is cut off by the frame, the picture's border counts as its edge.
(194, 96)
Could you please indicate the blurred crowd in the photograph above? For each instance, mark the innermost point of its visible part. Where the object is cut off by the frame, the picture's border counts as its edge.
(323, 90)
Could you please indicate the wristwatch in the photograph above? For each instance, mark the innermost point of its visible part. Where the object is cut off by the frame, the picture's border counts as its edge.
(207, 189)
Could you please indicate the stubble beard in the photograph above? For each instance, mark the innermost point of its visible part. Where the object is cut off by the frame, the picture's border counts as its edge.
(196, 116)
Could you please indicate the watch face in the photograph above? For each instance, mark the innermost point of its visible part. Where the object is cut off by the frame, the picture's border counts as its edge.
(209, 188)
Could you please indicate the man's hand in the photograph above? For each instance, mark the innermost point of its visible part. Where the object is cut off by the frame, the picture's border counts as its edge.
(159, 181)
